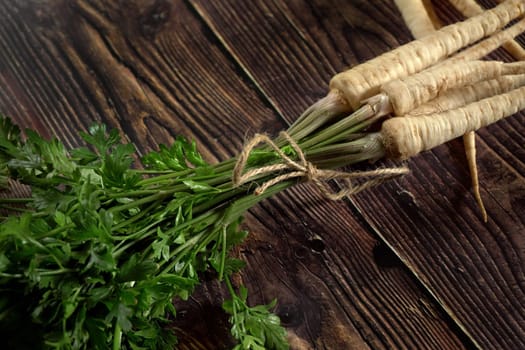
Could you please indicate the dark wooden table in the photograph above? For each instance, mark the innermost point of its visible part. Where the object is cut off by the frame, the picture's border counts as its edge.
(409, 264)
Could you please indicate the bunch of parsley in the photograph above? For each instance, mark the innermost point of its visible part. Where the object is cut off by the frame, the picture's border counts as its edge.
(93, 258)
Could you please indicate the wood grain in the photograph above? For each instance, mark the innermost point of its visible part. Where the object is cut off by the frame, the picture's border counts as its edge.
(406, 265)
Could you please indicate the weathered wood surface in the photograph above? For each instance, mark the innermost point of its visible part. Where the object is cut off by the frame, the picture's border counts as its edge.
(407, 265)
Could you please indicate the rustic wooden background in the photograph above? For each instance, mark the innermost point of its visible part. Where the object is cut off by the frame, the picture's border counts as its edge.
(409, 264)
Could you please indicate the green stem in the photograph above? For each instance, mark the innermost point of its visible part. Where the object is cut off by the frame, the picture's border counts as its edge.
(223, 253)
(152, 198)
(173, 177)
(117, 336)
(161, 178)
(217, 200)
(11, 275)
(16, 209)
(55, 272)
(16, 200)
(135, 193)
(206, 220)
(57, 230)
(230, 288)
(353, 123)
(135, 238)
(235, 300)
(175, 257)
(43, 248)
(241, 205)
(373, 150)
(138, 216)
(316, 115)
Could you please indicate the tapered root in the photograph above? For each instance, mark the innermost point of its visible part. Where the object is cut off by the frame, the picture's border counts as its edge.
(405, 137)
(469, 140)
(364, 80)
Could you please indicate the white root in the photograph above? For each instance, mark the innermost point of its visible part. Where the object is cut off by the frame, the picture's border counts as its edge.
(461, 96)
(416, 17)
(408, 93)
(470, 8)
(404, 137)
(469, 141)
(435, 84)
(364, 80)
(490, 44)
(420, 24)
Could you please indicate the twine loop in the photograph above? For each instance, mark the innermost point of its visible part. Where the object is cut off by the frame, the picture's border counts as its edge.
(302, 168)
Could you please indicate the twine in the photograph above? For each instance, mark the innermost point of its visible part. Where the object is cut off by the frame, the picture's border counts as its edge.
(301, 168)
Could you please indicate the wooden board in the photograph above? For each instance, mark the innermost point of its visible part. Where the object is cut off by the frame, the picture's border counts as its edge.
(406, 265)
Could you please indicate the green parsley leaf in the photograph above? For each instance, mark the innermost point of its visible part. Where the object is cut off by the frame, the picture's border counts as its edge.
(96, 255)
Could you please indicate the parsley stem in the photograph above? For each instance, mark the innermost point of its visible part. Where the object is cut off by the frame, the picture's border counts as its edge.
(134, 238)
(11, 275)
(159, 195)
(54, 231)
(10, 207)
(221, 198)
(174, 258)
(171, 177)
(154, 180)
(349, 125)
(117, 336)
(230, 287)
(16, 200)
(152, 171)
(223, 253)
(44, 248)
(235, 300)
(135, 193)
(55, 272)
(136, 217)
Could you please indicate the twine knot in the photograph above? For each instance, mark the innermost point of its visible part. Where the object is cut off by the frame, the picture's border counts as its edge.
(289, 168)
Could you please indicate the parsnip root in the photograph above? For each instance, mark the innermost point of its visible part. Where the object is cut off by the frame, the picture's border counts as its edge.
(408, 93)
(364, 80)
(470, 8)
(405, 137)
(420, 24)
(469, 141)
(461, 96)
(416, 18)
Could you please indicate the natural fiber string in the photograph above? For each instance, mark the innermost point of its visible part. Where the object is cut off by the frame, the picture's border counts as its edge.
(305, 169)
